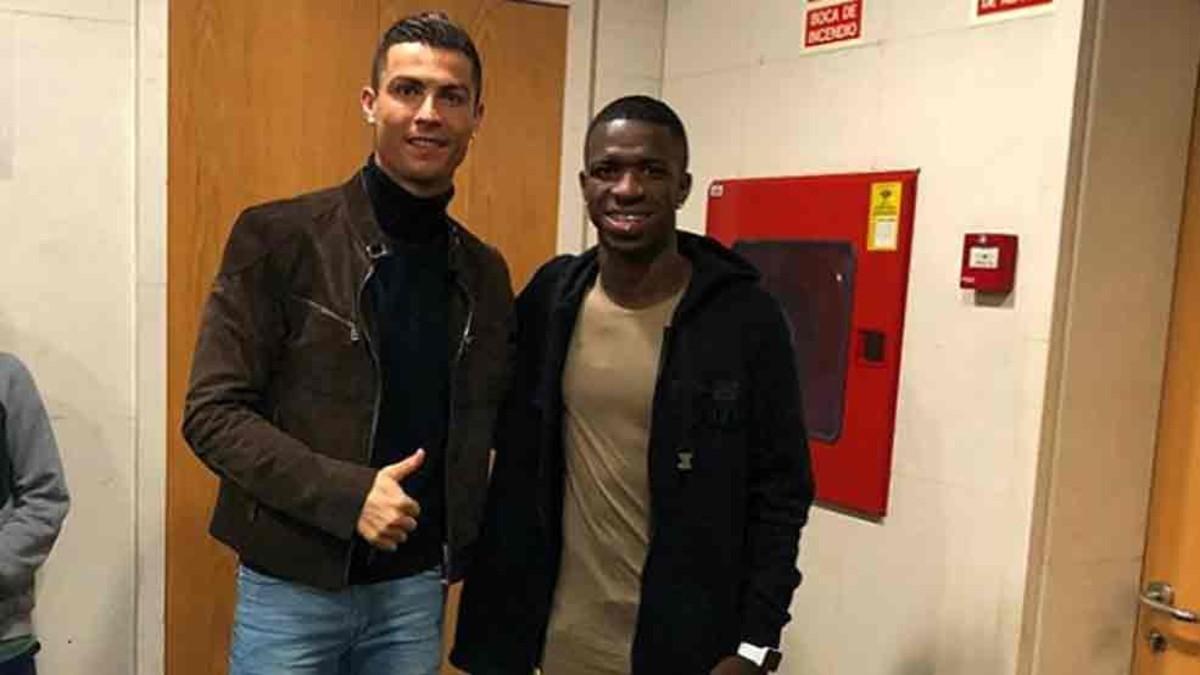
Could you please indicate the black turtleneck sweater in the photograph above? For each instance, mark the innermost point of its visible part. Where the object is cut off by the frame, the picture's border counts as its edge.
(409, 301)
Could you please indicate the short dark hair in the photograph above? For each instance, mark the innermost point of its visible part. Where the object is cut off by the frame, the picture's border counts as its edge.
(434, 29)
(642, 109)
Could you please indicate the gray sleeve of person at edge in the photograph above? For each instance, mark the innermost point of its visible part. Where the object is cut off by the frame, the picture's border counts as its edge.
(32, 515)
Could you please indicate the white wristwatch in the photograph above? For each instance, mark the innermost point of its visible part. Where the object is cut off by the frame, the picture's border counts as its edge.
(766, 658)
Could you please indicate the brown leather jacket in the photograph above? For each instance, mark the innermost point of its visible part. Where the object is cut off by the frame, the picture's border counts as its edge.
(285, 385)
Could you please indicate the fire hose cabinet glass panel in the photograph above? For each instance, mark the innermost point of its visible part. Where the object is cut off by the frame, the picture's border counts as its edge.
(835, 251)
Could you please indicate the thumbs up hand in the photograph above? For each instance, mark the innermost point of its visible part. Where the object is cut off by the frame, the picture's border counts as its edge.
(389, 514)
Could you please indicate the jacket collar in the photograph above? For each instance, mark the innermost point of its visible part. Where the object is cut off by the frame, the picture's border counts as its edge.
(370, 238)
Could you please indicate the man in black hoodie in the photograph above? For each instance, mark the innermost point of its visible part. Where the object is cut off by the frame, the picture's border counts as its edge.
(652, 472)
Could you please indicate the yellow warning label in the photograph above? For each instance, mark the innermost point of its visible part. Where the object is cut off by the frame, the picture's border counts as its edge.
(883, 228)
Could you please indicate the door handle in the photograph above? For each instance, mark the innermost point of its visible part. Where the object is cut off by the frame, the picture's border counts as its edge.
(1160, 596)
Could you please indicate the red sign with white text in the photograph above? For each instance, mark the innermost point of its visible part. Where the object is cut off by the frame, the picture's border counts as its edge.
(992, 7)
(833, 23)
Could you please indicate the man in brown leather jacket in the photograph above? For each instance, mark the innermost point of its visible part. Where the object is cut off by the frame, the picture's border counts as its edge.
(345, 382)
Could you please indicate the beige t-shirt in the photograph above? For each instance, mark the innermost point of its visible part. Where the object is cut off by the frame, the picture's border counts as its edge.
(608, 390)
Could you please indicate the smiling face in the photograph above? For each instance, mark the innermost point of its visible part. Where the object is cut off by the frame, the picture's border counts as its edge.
(424, 113)
(633, 181)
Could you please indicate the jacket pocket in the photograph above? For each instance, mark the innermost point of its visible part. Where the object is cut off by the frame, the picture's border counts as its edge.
(715, 405)
(352, 332)
(325, 352)
(710, 439)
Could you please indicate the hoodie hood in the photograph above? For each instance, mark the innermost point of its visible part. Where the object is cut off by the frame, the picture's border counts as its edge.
(714, 268)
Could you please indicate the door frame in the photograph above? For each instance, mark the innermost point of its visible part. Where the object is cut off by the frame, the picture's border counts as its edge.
(150, 132)
(1108, 339)
(1166, 519)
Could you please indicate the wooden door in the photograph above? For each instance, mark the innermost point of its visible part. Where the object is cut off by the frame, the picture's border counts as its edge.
(1173, 538)
(263, 103)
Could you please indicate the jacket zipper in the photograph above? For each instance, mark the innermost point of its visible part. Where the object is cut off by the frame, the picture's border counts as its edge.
(322, 309)
(374, 253)
(464, 343)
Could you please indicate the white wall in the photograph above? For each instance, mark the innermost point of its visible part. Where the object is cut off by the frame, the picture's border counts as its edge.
(985, 112)
(577, 109)
(615, 48)
(629, 50)
(67, 299)
(151, 333)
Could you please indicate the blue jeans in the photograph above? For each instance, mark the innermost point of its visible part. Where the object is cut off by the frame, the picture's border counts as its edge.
(285, 628)
(22, 665)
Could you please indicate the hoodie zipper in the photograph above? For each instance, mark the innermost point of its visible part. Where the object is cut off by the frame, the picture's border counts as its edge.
(656, 404)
